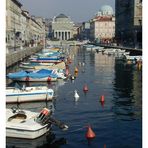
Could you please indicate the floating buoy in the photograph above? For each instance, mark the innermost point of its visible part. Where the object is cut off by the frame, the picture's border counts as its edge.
(90, 134)
(102, 99)
(49, 79)
(104, 146)
(76, 96)
(76, 74)
(27, 79)
(76, 70)
(85, 88)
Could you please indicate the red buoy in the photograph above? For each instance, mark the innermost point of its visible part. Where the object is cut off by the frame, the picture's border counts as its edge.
(90, 134)
(102, 99)
(49, 79)
(27, 78)
(85, 88)
(76, 70)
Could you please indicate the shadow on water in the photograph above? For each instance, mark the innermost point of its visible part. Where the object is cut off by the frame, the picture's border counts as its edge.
(127, 96)
(48, 140)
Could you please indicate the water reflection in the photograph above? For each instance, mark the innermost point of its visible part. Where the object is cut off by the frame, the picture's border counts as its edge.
(35, 106)
(47, 140)
(118, 118)
(127, 93)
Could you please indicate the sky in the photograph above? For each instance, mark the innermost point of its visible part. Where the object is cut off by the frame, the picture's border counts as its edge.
(77, 10)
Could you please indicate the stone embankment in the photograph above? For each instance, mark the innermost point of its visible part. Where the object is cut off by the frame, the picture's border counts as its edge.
(19, 55)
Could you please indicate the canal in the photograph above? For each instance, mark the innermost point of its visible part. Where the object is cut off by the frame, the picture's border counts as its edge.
(117, 122)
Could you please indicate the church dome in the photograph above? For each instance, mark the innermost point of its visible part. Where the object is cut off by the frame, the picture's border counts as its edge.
(107, 10)
(62, 18)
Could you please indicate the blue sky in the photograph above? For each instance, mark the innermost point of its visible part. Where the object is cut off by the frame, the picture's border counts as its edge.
(78, 10)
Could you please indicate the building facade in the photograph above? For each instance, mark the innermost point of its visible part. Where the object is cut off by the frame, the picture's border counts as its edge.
(21, 28)
(84, 31)
(129, 22)
(13, 23)
(102, 26)
(62, 27)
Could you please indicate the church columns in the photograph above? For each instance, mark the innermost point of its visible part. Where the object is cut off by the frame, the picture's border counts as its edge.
(63, 38)
(62, 35)
(69, 35)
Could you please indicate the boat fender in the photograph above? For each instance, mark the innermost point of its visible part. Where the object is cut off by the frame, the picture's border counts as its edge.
(43, 115)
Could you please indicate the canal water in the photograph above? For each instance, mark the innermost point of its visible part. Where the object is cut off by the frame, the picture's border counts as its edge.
(117, 123)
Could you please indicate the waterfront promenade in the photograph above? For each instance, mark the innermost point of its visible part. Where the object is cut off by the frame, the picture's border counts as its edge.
(14, 56)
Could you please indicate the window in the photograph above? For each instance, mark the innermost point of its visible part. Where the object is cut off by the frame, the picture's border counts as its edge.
(140, 22)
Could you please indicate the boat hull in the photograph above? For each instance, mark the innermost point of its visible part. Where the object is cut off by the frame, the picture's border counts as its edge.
(27, 98)
(26, 128)
(26, 134)
(29, 79)
(17, 96)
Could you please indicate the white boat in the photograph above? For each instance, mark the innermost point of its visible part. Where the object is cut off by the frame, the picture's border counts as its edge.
(24, 124)
(28, 94)
(134, 57)
(112, 51)
(43, 66)
(29, 125)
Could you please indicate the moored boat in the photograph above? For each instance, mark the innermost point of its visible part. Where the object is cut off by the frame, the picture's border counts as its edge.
(33, 76)
(28, 94)
(43, 65)
(29, 125)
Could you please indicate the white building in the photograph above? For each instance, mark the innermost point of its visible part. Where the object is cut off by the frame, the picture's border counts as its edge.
(102, 26)
(62, 27)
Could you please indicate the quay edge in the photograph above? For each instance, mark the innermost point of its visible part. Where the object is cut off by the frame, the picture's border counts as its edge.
(133, 51)
(17, 56)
